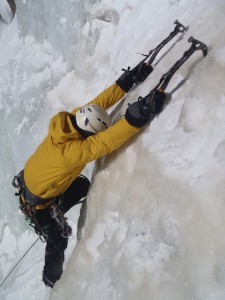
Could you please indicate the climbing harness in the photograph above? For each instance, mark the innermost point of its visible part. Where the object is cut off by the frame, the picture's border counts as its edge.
(28, 203)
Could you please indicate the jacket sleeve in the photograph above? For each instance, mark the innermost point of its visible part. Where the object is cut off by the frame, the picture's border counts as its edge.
(80, 152)
(107, 98)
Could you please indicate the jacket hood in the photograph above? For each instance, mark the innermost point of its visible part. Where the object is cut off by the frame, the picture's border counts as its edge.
(61, 128)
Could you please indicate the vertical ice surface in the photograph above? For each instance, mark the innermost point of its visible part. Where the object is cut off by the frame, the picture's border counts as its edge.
(55, 21)
(155, 219)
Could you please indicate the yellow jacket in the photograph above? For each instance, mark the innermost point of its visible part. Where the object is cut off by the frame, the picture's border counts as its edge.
(63, 154)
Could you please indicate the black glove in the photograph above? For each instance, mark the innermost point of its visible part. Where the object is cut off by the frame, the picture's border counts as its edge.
(138, 113)
(130, 77)
(141, 72)
(155, 101)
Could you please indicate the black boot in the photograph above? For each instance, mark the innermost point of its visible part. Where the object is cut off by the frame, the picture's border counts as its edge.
(53, 268)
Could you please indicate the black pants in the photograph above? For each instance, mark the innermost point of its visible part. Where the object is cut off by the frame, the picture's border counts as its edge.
(56, 243)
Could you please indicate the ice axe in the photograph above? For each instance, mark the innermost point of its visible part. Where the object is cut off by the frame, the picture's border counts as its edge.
(195, 45)
(165, 79)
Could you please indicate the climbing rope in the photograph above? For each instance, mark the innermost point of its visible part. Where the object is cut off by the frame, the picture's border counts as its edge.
(23, 257)
(19, 261)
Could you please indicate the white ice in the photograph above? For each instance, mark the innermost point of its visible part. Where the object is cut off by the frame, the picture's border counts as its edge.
(155, 220)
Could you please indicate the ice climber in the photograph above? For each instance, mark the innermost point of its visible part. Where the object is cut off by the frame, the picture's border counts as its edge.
(51, 183)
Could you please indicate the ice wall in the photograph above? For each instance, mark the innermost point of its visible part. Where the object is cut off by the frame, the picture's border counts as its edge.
(58, 22)
(155, 223)
(31, 64)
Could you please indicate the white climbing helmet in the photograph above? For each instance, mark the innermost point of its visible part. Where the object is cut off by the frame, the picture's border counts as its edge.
(92, 118)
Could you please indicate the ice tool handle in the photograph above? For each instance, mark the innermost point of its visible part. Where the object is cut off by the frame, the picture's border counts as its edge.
(179, 28)
(195, 45)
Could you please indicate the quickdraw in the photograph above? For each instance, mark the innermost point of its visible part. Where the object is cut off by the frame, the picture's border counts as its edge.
(61, 221)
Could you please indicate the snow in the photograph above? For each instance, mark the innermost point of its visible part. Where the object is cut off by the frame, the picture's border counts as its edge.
(155, 218)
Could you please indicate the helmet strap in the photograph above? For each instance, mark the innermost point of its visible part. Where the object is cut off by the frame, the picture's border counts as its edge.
(84, 133)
